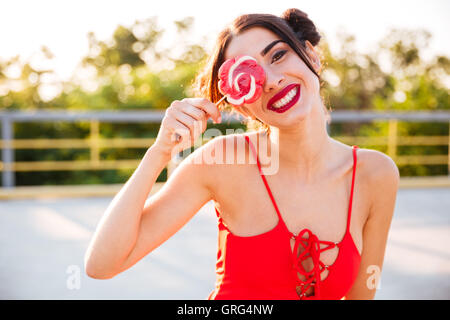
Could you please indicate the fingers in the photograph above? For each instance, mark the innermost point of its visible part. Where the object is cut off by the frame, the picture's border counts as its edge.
(186, 125)
(181, 133)
(207, 106)
(185, 121)
(192, 111)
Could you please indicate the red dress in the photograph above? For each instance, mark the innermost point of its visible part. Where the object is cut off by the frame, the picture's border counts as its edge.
(264, 267)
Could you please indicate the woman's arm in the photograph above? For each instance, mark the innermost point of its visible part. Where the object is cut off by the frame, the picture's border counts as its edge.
(117, 230)
(383, 178)
(188, 189)
(132, 226)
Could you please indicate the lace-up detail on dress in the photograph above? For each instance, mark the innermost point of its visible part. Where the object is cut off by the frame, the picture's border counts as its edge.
(311, 249)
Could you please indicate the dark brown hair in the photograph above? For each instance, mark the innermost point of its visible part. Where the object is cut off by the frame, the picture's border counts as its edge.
(294, 27)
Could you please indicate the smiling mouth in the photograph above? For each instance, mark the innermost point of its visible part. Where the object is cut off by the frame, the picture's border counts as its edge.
(285, 99)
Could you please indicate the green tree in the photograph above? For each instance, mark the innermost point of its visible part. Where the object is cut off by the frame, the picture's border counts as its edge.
(24, 89)
(395, 77)
(132, 71)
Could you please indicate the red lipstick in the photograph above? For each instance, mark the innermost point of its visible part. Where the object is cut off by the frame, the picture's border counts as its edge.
(283, 94)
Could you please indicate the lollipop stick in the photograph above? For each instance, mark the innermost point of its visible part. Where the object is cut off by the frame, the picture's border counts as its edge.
(218, 102)
(178, 137)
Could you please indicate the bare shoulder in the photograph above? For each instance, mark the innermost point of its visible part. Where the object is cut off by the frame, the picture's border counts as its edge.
(214, 161)
(377, 167)
(205, 159)
(381, 177)
(213, 154)
(218, 150)
(223, 161)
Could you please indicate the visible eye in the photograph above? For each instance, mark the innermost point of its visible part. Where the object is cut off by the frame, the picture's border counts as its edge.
(278, 55)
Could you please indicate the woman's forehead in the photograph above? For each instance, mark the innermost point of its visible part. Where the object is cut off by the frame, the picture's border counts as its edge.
(250, 42)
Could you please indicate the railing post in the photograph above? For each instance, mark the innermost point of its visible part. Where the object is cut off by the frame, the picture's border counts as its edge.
(95, 143)
(392, 139)
(8, 179)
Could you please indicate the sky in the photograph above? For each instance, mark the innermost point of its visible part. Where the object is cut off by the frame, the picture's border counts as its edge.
(62, 26)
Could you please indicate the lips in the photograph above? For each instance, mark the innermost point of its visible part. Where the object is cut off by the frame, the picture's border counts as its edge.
(283, 94)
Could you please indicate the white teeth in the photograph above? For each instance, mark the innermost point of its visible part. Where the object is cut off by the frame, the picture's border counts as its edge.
(286, 99)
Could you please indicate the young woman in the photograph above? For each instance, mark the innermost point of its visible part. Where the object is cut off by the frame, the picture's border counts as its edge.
(315, 228)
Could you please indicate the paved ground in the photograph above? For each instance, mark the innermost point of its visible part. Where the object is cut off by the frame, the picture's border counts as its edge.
(42, 244)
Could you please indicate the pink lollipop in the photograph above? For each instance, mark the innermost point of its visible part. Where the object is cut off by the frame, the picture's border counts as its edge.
(241, 80)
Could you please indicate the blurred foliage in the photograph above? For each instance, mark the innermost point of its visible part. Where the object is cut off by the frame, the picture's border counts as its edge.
(133, 71)
(393, 77)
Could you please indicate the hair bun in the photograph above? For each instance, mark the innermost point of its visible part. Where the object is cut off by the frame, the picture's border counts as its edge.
(303, 27)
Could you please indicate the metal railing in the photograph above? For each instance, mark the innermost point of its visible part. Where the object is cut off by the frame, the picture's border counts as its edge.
(8, 165)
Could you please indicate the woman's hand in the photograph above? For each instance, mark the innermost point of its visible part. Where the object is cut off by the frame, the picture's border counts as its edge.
(187, 118)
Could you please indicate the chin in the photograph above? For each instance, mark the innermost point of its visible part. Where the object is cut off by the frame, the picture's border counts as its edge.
(297, 114)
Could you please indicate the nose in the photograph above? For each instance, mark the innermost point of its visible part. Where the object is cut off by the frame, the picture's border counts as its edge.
(273, 81)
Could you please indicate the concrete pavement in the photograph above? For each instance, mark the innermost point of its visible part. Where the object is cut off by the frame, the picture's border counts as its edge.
(43, 241)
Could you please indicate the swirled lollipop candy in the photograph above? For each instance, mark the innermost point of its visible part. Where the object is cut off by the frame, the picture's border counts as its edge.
(241, 80)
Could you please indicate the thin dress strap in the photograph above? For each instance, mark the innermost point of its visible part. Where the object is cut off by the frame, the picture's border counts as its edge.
(264, 178)
(349, 215)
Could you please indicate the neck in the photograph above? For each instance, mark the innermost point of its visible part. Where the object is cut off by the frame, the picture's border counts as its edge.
(304, 150)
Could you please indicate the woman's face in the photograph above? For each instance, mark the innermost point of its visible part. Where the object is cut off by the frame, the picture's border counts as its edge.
(291, 89)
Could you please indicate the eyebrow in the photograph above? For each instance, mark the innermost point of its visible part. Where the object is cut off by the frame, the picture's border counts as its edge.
(270, 46)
